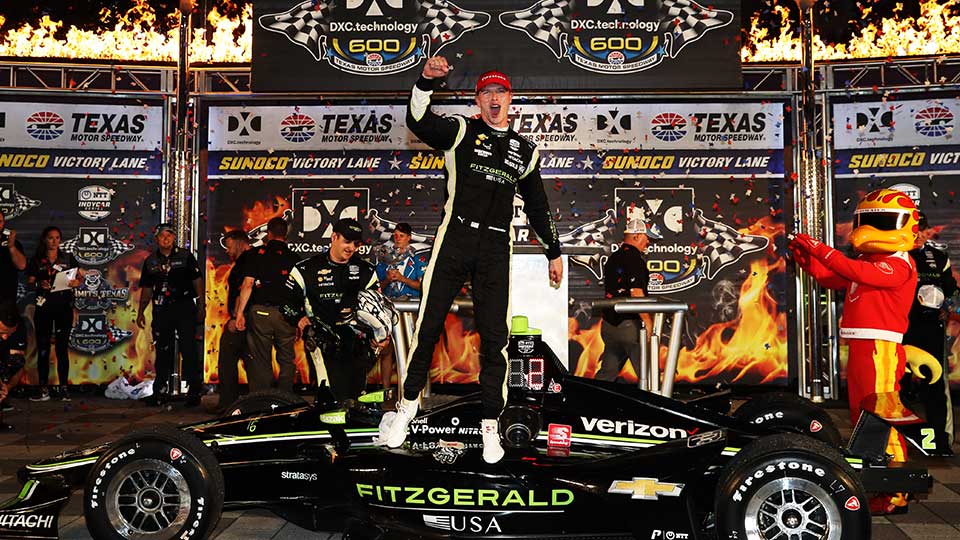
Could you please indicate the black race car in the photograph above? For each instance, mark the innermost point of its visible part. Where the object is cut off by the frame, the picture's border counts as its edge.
(585, 459)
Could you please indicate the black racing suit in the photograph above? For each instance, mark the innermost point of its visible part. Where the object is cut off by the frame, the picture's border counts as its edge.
(926, 331)
(484, 169)
(326, 292)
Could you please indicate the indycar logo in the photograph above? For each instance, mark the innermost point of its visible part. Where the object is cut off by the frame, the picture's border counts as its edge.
(473, 524)
(647, 489)
(629, 427)
(93, 202)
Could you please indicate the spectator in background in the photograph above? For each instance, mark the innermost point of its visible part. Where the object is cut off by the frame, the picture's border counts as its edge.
(13, 345)
(400, 271)
(233, 342)
(54, 314)
(624, 276)
(12, 261)
(263, 291)
(170, 277)
(935, 283)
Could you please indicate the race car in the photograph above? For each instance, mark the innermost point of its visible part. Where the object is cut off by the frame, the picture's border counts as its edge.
(585, 459)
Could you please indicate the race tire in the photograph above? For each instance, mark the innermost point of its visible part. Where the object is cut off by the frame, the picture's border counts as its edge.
(157, 483)
(795, 487)
(262, 401)
(780, 411)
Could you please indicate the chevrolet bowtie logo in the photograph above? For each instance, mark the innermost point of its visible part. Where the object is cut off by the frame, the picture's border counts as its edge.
(647, 489)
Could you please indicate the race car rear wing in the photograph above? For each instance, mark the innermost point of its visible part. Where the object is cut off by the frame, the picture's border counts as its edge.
(878, 474)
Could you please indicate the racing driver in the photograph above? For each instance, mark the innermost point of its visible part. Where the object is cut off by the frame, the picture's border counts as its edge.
(487, 163)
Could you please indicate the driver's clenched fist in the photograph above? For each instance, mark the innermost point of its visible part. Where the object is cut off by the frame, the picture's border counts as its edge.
(436, 67)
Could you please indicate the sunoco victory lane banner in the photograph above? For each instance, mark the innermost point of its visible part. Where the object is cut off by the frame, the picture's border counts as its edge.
(93, 170)
(555, 45)
(909, 145)
(714, 208)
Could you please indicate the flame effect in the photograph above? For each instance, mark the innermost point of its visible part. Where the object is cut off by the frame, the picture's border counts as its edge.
(133, 36)
(933, 32)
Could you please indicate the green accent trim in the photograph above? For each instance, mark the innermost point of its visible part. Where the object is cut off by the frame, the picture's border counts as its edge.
(374, 397)
(334, 417)
(732, 449)
(19, 496)
(362, 430)
(266, 437)
(519, 327)
(62, 463)
(858, 461)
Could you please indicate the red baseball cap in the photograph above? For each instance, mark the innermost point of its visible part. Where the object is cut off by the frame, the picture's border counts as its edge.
(493, 77)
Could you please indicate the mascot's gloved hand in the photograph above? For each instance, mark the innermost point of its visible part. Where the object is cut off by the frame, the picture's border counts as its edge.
(799, 254)
(814, 247)
(916, 358)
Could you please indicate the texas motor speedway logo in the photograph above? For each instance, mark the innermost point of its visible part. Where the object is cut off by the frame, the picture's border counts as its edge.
(616, 36)
(373, 37)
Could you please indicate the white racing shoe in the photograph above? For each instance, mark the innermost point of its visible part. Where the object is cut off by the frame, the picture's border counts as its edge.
(490, 431)
(406, 411)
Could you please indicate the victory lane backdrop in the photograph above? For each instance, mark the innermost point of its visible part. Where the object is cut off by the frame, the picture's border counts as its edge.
(710, 184)
(92, 168)
(544, 45)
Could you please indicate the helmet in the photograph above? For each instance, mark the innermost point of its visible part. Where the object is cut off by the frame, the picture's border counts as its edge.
(375, 313)
(885, 221)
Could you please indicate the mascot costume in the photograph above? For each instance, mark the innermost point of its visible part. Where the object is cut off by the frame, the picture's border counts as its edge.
(880, 285)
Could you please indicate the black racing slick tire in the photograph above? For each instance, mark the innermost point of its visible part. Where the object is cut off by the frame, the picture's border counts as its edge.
(780, 411)
(157, 483)
(785, 486)
(263, 401)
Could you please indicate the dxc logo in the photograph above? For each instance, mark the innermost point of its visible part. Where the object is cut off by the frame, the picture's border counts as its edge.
(614, 123)
(244, 124)
(317, 209)
(613, 6)
(876, 119)
(371, 8)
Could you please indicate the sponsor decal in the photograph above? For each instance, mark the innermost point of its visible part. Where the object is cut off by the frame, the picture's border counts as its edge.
(94, 334)
(374, 37)
(95, 246)
(44, 125)
(614, 123)
(933, 121)
(296, 475)
(546, 127)
(852, 504)
(526, 346)
(909, 190)
(874, 125)
(93, 202)
(14, 204)
(353, 128)
(815, 426)
(175, 454)
(26, 521)
(95, 293)
(705, 438)
(95, 488)
(885, 268)
(447, 455)
(558, 435)
(765, 417)
(421, 426)
(616, 36)
(777, 469)
(629, 427)
(298, 128)
(244, 124)
(334, 417)
(668, 126)
(647, 489)
(465, 497)
(455, 523)
(315, 210)
(668, 535)
(728, 127)
(105, 127)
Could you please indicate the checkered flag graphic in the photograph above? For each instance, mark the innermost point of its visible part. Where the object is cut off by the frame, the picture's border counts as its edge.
(724, 245)
(547, 21)
(444, 22)
(303, 24)
(21, 204)
(685, 21)
(598, 233)
(117, 247)
(381, 235)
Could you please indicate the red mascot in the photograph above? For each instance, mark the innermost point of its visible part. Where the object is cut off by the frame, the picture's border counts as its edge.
(880, 285)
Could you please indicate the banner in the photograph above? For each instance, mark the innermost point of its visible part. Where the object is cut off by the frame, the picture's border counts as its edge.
(901, 123)
(81, 126)
(104, 194)
(553, 45)
(715, 217)
(646, 126)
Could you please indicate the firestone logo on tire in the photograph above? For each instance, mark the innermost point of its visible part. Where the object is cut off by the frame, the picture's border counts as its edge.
(778, 468)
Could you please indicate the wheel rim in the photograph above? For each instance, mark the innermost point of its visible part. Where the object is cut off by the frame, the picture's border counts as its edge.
(792, 509)
(148, 499)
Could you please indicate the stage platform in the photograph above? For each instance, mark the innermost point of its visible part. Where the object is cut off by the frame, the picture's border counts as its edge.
(47, 428)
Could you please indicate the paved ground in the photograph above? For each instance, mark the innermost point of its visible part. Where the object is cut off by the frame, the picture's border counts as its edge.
(44, 429)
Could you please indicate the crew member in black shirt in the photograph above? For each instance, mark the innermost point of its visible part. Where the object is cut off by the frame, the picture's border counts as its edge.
(935, 283)
(624, 276)
(233, 342)
(258, 310)
(171, 279)
(13, 346)
(12, 261)
(324, 287)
